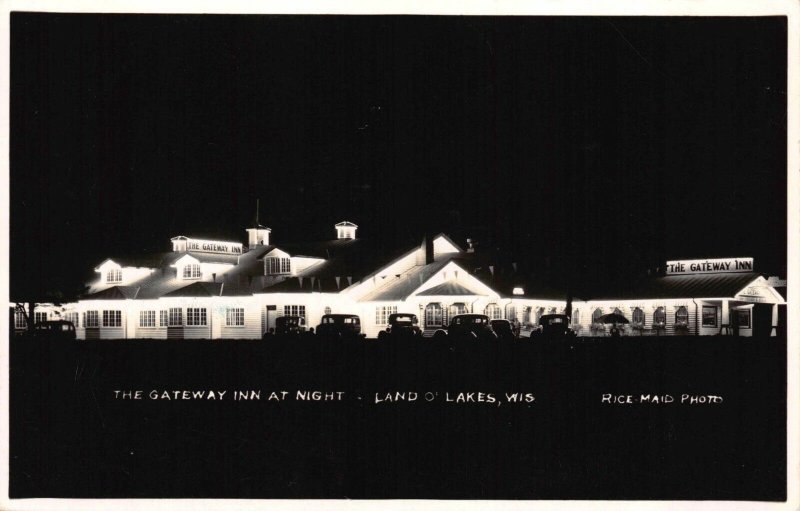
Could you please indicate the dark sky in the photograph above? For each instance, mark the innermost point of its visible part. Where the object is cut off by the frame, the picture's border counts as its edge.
(597, 146)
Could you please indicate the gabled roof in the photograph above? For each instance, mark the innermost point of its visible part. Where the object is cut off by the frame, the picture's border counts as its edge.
(716, 285)
(197, 289)
(143, 260)
(114, 293)
(451, 288)
(346, 224)
(400, 288)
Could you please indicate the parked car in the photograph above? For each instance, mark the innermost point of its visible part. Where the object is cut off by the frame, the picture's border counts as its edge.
(468, 326)
(286, 325)
(553, 326)
(339, 326)
(401, 325)
(56, 330)
(503, 329)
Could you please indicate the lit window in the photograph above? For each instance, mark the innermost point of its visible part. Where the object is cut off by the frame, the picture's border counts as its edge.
(72, 317)
(382, 314)
(39, 317)
(709, 315)
(191, 271)
(19, 320)
(91, 319)
(493, 311)
(147, 319)
(277, 265)
(163, 318)
(175, 316)
(114, 275)
(682, 316)
(511, 313)
(433, 315)
(234, 317)
(112, 319)
(294, 310)
(638, 315)
(660, 316)
(195, 317)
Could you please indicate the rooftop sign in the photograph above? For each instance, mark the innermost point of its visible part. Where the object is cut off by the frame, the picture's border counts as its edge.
(731, 265)
(216, 247)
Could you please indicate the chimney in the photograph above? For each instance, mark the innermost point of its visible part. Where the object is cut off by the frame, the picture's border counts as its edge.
(427, 247)
(258, 234)
(345, 230)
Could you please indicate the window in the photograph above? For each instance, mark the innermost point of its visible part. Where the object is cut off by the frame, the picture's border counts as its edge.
(638, 315)
(163, 318)
(327, 310)
(191, 271)
(493, 311)
(660, 316)
(114, 275)
(234, 317)
(112, 319)
(39, 317)
(294, 310)
(175, 316)
(147, 319)
(526, 316)
(576, 316)
(277, 265)
(741, 318)
(538, 315)
(91, 319)
(433, 315)
(596, 315)
(72, 317)
(195, 317)
(382, 314)
(681, 316)
(19, 320)
(511, 313)
(709, 315)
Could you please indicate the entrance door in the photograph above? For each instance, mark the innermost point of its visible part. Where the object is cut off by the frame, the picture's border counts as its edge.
(762, 320)
(272, 315)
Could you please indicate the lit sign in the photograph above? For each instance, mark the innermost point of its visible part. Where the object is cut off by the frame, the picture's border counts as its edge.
(217, 247)
(736, 264)
(754, 294)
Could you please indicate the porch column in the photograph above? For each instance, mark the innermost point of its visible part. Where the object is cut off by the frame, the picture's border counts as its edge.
(725, 326)
(774, 331)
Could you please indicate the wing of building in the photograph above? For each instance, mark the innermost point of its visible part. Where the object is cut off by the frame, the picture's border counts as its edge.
(213, 289)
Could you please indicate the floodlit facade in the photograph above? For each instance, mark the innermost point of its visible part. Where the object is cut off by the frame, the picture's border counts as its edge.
(213, 289)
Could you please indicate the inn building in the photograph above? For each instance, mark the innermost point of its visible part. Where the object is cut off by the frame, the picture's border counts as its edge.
(215, 289)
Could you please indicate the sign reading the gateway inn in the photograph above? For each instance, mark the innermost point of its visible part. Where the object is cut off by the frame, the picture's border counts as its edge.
(734, 264)
(217, 247)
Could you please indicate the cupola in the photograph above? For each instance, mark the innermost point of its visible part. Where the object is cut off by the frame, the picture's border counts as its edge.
(346, 230)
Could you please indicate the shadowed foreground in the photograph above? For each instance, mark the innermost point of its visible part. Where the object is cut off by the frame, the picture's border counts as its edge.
(71, 437)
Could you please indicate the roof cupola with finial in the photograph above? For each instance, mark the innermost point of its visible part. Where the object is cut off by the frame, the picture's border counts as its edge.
(346, 230)
(258, 234)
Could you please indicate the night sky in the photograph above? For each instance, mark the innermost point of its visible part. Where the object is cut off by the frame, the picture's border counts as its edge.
(592, 148)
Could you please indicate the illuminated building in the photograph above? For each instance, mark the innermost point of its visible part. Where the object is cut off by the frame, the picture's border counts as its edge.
(212, 289)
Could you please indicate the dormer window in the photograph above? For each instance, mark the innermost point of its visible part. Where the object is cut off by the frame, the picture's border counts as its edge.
(191, 271)
(114, 275)
(277, 265)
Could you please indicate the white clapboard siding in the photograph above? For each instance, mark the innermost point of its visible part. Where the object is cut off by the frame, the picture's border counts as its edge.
(252, 324)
